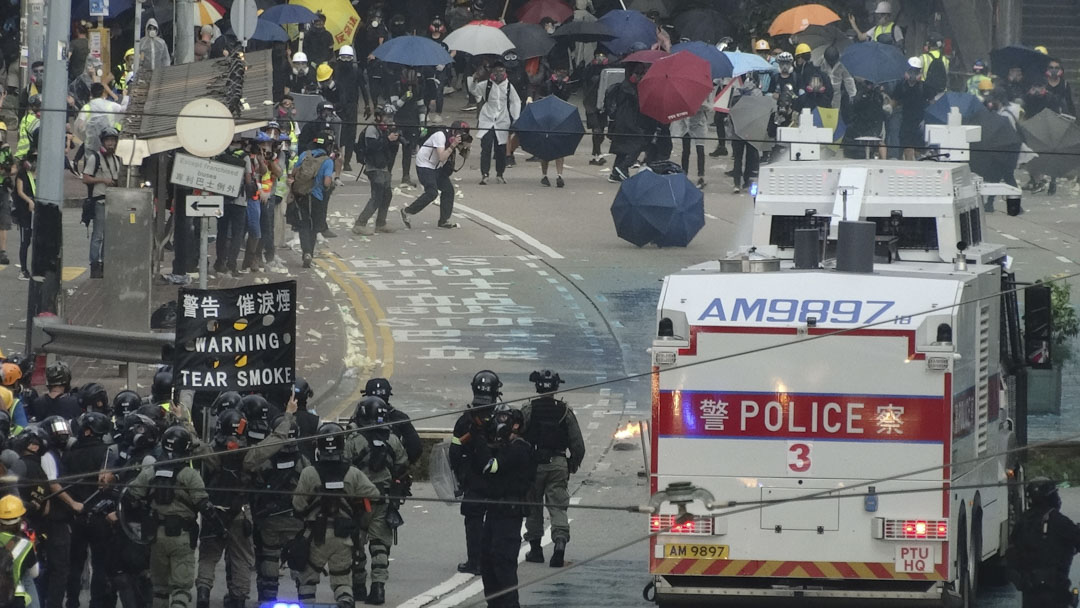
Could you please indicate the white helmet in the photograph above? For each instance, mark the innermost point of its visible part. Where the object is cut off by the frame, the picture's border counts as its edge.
(299, 56)
(345, 51)
(915, 63)
(883, 7)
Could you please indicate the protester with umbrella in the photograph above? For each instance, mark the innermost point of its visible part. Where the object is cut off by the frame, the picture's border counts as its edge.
(369, 36)
(595, 118)
(1058, 86)
(435, 78)
(996, 155)
(866, 119)
(839, 77)
(551, 128)
(913, 98)
(500, 108)
(630, 130)
(876, 62)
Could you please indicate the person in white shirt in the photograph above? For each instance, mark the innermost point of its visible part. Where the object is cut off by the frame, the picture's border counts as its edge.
(434, 165)
(500, 107)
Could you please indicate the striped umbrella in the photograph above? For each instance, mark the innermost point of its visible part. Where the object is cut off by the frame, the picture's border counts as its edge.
(208, 12)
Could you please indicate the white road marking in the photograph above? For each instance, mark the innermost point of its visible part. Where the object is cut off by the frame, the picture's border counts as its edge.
(575, 500)
(524, 236)
(437, 591)
(577, 277)
(504, 237)
(711, 216)
(1062, 258)
(1009, 236)
(593, 426)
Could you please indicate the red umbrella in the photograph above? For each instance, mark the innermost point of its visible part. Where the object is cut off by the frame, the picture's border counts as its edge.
(649, 56)
(674, 87)
(534, 11)
(487, 22)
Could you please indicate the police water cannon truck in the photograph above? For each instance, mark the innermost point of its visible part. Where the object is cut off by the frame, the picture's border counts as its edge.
(847, 385)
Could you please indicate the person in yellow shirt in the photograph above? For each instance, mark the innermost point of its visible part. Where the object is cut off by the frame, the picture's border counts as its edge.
(935, 64)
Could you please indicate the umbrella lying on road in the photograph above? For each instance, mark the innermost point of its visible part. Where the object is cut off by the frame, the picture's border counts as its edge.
(674, 87)
(629, 27)
(584, 31)
(875, 62)
(719, 64)
(1017, 56)
(479, 40)
(1055, 138)
(535, 11)
(750, 118)
(550, 128)
(704, 24)
(795, 20)
(744, 63)
(663, 209)
(530, 40)
(413, 51)
(284, 14)
(938, 112)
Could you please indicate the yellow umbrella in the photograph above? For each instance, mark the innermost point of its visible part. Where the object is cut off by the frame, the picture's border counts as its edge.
(208, 12)
(341, 18)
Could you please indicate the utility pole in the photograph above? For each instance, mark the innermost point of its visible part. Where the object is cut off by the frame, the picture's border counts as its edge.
(184, 32)
(44, 294)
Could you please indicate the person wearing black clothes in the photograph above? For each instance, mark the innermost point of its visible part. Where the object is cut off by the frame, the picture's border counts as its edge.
(913, 98)
(348, 77)
(318, 43)
(436, 77)
(403, 426)
(409, 101)
(306, 419)
(55, 527)
(786, 79)
(867, 118)
(302, 78)
(379, 142)
(508, 471)
(813, 86)
(595, 119)
(1039, 98)
(90, 532)
(57, 400)
(1015, 84)
(324, 122)
(630, 130)
(368, 38)
(1041, 549)
(1057, 85)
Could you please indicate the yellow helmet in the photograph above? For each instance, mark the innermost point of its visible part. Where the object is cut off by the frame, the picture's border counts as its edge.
(986, 84)
(3, 126)
(11, 510)
(129, 53)
(324, 72)
(761, 45)
(1042, 49)
(802, 48)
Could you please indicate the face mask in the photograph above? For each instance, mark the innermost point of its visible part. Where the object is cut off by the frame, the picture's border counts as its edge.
(152, 33)
(374, 23)
(550, 30)
(785, 68)
(300, 70)
(1053, 72)
(498, 77)
(634, 78)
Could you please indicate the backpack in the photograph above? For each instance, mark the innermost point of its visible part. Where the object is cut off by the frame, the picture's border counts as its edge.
(937, 77)
(304, 181)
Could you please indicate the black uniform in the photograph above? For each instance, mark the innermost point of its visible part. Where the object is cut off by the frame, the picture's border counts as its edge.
(1041, 551)
(406, 432)
(65, 405)
(508, 477)
(89, 531)
(467, 447)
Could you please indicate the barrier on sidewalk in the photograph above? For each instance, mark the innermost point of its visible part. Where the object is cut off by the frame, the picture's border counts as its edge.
(52, 336)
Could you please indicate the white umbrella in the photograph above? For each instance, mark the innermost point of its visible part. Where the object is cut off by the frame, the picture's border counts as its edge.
(479, 40)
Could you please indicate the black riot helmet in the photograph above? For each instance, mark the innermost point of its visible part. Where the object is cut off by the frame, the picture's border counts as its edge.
(59, 431)
(157, 413)
(370, 410)
(94, 398)
(33, 436)
(124, 403)
(303, 392)
(97, 423)
(231, 422)
(141, 432)
(176, 441)
(330, 446)
(546, 381)
(1043, 492)
(161, 389)
(58, 374)
(225, 401)
(259, 413)
(291, 446)
(26, 364)
(378, 387)
(485, 387)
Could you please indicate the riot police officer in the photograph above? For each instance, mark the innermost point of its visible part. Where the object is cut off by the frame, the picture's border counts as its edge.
(161, 389)
(225, 476)
(125, 402)
(509, 470)
(403, 426)
(331, 498)
(89, 531)
(1042, 547)
(176, 495)
(552, 429)
(275, 465)
(136, 445)
(468, 466)
(52, 584)
(378, 453)
(259, 414)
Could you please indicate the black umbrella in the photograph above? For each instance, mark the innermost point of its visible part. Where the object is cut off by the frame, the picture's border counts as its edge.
(995, 155)
(584, 31)
(1055, 139)
(821, 35)
(1031, 61)
(663, 209)
(704, 24)
(550, 128)
(529, 39)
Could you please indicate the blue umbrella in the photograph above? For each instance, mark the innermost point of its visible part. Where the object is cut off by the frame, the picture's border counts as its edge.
(719, 64)
(412, 51)
(269, 31)
(80, 9)
(744, 63)
(629, 27)
(284, 14)
(550, 128)
(663, 209)
(938, 112)
(875, 61)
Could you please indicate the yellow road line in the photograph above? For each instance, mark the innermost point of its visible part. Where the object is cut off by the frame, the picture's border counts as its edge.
(376, 309)
(368, 328)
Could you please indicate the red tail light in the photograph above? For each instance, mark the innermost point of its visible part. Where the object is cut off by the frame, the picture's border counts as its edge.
(665, 524)
(916, 529)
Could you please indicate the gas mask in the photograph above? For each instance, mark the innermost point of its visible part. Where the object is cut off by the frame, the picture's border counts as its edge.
(498, 77)
(375, 22)
(151, 32)
(300, 69)
(550, 29)
(1053, 72)
(786, 68)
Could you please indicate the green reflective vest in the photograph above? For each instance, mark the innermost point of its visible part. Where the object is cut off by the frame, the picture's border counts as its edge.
(19, 547)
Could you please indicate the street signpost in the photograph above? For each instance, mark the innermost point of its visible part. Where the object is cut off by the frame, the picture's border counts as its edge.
(244, 19)
(205, 174)
(205, 206)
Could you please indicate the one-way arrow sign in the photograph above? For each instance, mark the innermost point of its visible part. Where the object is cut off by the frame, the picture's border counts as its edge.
(205, 206)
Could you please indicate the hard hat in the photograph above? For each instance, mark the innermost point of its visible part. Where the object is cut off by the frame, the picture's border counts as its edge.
(324, 72)
(1042, 49)
(7, 399)
(761, 45)
(986, 84)
(915, 63)
(979, 66)
(803, 48)
(11, 510)
(784, 57)
(3, 126)
(9, 372)
(129, 53)
(346, 51)
(883, 8)
(299, 56)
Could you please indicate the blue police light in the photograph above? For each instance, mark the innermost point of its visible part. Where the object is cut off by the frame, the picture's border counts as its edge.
(281, 605)
(753, 189)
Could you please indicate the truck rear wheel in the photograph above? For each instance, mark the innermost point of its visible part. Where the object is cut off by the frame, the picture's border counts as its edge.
(964, 582)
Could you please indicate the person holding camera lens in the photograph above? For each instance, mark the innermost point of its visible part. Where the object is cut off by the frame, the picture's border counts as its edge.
(378, 142)
(434, 165)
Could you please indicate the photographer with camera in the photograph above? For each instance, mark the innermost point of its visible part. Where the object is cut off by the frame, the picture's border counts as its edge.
(378, 143)
(434, 165)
